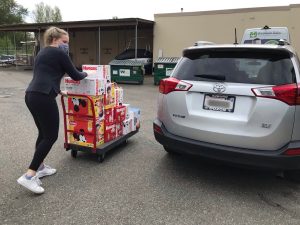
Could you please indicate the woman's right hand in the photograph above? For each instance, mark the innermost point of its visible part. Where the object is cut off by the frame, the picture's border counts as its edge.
(64, 93)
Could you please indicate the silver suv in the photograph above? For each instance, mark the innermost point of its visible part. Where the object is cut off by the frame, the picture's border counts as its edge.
(234, 103)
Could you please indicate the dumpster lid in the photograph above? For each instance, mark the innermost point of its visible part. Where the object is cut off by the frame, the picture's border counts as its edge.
(125, 62)
(167, 59)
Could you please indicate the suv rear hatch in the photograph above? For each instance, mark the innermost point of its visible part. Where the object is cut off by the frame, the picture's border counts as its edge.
(239, 97)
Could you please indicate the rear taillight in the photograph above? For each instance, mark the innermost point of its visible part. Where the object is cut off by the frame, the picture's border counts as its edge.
(292, 151)
(172, 84)
(288, 93)
(157, 129)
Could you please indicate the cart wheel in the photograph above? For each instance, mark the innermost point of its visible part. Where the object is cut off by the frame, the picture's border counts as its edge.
(101, 157)
(74, 153)
(124, 142)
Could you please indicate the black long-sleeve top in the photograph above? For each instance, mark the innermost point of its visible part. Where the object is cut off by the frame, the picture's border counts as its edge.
(50, 65)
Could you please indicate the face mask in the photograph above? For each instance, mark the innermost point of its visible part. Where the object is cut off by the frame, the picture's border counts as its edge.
(64, 47)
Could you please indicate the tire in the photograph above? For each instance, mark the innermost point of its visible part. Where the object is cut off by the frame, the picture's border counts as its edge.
(170, 151)
(100, 158)
(124, 143)
(74, 153)
(292, 175)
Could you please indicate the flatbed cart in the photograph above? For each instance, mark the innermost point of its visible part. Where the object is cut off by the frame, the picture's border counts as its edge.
(100, 150)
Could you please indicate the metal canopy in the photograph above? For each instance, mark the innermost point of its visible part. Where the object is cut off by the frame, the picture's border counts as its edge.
(110, 24)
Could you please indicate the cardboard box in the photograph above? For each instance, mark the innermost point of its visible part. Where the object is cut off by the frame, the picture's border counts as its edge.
(127, 126)
(127, 110)
(83, 106)
(87, 86)
(137, 116)
(131, 121)
(109, 100)
(110, 133)
(86, 140)
(85, 124)
(82, 132)
(120, 113)
(119, 129)
(119, 93)
(98, 71)
(109, 116)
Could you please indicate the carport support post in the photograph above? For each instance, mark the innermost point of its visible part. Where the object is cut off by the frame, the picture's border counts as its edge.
(15, 44)
(99, 48)
(6, 43)
(136, 32)
(26, 44)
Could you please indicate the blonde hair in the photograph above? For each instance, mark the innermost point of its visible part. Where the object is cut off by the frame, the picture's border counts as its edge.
(53, 33)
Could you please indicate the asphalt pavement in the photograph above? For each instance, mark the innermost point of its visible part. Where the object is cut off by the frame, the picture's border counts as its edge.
(138, 183)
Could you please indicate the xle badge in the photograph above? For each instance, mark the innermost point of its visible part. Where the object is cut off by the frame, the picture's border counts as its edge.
(179, 116)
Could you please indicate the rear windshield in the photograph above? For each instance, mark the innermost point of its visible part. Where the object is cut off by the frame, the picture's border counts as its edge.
(259, 66)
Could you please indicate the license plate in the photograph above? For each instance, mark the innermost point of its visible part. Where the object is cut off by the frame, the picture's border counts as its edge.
(223, 103)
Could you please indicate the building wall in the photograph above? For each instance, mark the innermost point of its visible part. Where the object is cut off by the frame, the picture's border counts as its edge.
(83, 49)
(175, 31)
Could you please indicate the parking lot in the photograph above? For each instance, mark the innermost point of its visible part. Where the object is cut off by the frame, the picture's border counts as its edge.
(136, 184)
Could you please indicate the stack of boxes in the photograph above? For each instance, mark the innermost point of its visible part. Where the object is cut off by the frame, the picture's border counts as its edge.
(112, 118)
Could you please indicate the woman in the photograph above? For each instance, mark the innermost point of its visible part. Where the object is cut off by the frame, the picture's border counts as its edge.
(51, 63)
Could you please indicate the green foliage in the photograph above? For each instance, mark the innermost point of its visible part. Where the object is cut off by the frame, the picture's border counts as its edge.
(4, 41)
(11, 12)
(44, 13)
(10, 41)
(56, 14)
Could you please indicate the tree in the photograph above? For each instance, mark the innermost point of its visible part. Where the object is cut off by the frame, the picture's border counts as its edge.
(44, 13)
(11, 12)
(56, 14)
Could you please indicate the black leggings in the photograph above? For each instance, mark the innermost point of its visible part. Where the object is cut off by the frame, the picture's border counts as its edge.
(45, 113)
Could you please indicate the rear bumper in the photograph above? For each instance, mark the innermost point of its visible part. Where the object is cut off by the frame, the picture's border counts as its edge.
(247, 157)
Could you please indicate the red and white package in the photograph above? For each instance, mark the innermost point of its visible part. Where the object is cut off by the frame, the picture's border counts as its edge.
(110, 133)
(119, 95)
(109, 116)
(119, 129)
(120, 113)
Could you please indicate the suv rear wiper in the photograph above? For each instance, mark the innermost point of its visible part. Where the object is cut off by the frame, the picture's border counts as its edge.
(211, 76)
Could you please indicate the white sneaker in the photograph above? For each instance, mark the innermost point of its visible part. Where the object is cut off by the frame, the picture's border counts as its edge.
(34, 184)
(46, 171)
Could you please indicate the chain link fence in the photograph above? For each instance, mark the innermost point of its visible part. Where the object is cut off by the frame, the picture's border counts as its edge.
(21, 56)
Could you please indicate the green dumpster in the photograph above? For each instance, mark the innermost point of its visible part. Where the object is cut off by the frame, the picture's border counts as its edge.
(127, 71)
(163, 68)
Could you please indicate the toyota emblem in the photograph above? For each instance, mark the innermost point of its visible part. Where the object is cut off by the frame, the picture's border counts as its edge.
(219, 88)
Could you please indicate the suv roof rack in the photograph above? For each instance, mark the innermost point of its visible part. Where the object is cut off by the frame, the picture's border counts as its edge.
(266, 27)
(283, 42)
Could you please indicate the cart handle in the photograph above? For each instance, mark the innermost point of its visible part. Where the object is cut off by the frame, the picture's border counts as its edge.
(70, 95)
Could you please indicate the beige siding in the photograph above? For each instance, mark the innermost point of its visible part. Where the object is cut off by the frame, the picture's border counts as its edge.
(82, 47)
(175, 31)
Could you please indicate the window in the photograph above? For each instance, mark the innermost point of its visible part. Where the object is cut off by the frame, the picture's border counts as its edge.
(257, 66)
